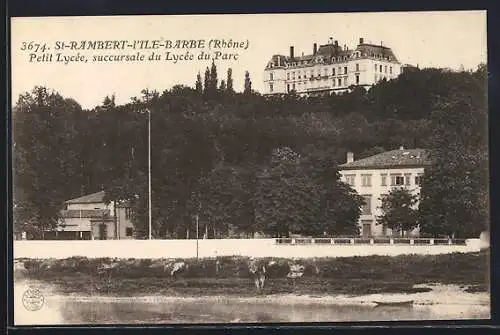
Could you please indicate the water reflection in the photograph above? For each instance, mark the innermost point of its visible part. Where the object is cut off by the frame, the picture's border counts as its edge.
(225, 312)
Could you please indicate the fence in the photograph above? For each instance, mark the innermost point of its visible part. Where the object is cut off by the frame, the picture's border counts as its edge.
(233, 247)
(370, 241)
(85, 213)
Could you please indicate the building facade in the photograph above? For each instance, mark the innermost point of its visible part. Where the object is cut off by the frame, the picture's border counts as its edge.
(375, 176)
(330, 68)
(89, 217)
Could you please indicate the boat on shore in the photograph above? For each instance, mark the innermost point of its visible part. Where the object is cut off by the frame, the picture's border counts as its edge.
(407, 303)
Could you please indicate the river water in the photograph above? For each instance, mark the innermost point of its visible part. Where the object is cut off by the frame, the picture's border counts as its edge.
(161, 310)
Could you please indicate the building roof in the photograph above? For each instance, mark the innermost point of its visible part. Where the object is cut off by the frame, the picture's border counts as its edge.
(373, 50)
(332, 50)
(88, 199)
(278, 60)
(391, 159)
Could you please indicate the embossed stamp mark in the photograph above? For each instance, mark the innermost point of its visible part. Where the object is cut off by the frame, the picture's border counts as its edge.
(33, 299)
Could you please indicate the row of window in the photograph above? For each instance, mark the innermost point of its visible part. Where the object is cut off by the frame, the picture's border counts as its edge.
(335, 82)
(128, 213)
(312, 73)
(308, 74)
(383, 69)
(396, 179)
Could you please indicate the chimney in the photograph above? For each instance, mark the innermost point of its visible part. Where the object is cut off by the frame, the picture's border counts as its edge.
(361, 40)
(315, 48)
(291, 51)
(350, 157)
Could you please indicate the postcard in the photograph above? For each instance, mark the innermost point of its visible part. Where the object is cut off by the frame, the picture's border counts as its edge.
(250, 168)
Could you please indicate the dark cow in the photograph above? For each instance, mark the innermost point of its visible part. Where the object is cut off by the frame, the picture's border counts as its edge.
(257, 270)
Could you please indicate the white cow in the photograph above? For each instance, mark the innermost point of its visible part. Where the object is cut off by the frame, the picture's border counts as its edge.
(178, 268)
(296, 271)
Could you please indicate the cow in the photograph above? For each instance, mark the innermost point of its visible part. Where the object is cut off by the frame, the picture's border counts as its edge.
(296, 271)
(257, 270)
(178, 268)
(19, 269)
(106, 269)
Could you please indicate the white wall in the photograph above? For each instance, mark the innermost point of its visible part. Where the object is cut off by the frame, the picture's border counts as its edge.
(76, 224)
(212, 248)
(278, 81)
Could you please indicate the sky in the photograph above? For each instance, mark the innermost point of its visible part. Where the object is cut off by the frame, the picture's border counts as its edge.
(450, 39)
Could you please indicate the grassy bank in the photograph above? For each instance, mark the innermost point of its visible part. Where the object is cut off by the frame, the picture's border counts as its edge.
(230, 275)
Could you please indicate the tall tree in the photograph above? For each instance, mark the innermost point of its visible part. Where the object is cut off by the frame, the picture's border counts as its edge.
(248, 83)
(399, 211)
(340, 205)
(207, 83)
(222, 85)
(199, 84)
(285, 198)
(213, 78)
(230, 80)
(45, 165)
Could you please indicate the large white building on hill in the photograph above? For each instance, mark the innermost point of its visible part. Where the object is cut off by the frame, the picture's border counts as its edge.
(375, 176)
(330, 68)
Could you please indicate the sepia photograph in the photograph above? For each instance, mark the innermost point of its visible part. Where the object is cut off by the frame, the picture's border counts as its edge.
(250, 168)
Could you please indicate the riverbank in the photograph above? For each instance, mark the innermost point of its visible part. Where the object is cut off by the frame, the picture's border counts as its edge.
(229, 277)
(442, 302)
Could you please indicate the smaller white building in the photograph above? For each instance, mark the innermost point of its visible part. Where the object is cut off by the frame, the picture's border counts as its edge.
(88, 218)
(375, 176)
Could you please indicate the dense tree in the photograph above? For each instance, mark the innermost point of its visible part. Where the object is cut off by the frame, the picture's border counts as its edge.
(455, 188)
(45, 165)
(249, 162)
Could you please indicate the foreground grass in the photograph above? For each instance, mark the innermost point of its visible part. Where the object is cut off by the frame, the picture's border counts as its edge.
(350, 275)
